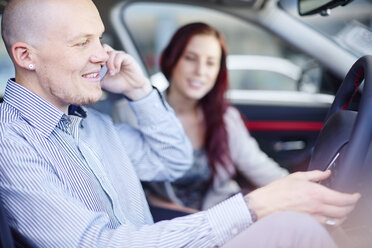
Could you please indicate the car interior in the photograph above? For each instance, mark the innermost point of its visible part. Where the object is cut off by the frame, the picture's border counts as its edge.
(343, 145)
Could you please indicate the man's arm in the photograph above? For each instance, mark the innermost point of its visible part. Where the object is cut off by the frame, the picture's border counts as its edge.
(44, 210)
(158, 147)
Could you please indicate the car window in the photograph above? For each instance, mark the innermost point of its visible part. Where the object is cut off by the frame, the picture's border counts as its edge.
(258, 60)
(6, 67)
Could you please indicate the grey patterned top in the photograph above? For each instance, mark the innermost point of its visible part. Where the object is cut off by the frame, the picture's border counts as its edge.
(190, 189)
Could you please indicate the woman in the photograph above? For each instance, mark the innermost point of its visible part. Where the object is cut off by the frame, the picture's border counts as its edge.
(194, 62)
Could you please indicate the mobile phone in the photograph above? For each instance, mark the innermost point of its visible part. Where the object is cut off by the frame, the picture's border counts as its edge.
(103, 71)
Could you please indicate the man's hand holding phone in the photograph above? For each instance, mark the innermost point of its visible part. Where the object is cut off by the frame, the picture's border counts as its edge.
(124, 75)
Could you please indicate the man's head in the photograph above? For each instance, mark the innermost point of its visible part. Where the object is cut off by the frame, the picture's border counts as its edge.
(61, 40)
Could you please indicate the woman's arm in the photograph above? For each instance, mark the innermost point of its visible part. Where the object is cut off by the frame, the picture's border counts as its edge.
(247, 156)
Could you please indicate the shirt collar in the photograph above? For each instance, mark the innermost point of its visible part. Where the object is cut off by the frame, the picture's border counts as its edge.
(38, 112)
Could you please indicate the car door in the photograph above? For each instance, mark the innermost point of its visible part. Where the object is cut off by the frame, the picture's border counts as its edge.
(283, 94)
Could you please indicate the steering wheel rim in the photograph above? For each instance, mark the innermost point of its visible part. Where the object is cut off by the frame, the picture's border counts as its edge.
(347, 160)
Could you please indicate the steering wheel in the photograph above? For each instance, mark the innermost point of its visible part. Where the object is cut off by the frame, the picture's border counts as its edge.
(344, 146)
(343, 143)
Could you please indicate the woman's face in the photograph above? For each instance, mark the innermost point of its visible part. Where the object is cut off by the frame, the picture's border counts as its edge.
(196, 71)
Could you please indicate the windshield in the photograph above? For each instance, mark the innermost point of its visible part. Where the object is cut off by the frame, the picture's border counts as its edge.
(349, 26)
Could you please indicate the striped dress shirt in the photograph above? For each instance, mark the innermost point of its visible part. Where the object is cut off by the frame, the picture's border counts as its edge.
(74, 180)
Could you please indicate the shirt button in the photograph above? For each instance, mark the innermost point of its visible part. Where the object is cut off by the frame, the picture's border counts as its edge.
(234, 231)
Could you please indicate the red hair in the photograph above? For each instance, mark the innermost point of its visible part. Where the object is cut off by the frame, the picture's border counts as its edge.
(213, 104)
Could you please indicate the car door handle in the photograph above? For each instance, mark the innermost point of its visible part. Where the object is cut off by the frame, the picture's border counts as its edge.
(294, 145)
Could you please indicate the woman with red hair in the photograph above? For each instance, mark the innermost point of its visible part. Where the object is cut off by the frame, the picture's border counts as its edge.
(194, 62)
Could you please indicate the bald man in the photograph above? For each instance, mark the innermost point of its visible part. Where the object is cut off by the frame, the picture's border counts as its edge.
(71, 178)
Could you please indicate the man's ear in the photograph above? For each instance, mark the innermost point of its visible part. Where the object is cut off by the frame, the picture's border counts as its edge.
(22, 55)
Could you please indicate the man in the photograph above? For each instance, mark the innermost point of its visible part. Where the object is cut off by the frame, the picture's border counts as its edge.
(70, 178)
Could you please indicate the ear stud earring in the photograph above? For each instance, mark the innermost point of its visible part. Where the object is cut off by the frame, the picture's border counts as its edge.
(31, 66)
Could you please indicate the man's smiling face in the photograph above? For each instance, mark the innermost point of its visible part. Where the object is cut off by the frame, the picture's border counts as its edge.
(70, 57)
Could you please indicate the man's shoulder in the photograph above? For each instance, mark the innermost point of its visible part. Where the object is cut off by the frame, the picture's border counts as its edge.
(12, 135)
(7, 112)
(11, 122)
(8, 116)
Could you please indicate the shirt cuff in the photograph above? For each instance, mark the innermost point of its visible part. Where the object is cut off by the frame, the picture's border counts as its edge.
(151, 108)
(229, 218)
